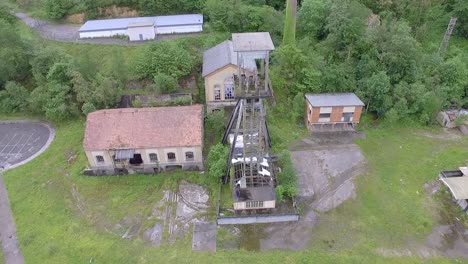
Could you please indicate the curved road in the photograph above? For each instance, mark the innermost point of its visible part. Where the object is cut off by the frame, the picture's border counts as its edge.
(20, 142)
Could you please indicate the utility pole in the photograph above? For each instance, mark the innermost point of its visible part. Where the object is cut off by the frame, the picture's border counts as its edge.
(448, 34)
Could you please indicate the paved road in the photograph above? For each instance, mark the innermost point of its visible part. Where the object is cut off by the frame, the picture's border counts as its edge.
(10, 246)
(20, 142)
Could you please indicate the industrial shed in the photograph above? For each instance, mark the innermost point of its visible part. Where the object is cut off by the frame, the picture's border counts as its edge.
(142, 28)
(331, 109)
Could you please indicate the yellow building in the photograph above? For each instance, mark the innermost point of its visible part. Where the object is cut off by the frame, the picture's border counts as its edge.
(219, 70)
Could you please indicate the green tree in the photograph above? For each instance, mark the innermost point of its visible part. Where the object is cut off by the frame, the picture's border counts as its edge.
(57, 9)
(217, 160)
(346, 24)
(375, 92)
(43, 59)
(298, 107)
(14, 98)
(107, 92)
(460, 10)
(311, 18)
(14, 54)
(214, 125)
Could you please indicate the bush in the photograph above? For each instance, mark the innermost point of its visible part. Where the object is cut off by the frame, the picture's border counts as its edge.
(14, 98)
(167, 58)
(88, 108)
(298, 107)
(287, 186)
(217, 158)
(164, 83)
(57, 9)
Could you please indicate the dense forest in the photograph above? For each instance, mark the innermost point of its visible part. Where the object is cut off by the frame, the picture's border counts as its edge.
(385, 51)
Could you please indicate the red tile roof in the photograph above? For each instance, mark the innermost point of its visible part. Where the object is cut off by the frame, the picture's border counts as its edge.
(174, 126)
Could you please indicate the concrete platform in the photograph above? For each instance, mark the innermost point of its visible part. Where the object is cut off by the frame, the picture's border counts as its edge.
(204, 237)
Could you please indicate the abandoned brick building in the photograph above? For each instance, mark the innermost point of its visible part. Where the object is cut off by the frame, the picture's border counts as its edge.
(342, 109)
(144, 140)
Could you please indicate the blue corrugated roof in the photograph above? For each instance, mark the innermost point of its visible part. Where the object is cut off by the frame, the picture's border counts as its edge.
(159, 21)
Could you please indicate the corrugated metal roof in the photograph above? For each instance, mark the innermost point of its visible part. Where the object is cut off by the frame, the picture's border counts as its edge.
(252, 41)
(141, 24)
(458, 186)
(334, 99)
(221, 55)
(158, 21)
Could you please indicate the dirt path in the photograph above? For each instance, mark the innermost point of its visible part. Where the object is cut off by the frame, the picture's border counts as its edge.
(8, 238)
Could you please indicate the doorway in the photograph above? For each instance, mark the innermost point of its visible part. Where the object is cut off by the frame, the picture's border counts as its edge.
(141, 36)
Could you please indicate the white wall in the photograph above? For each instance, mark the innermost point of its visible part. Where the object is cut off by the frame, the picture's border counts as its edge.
(133, 33)
(146, 32)
(179, 29)
(103, 34)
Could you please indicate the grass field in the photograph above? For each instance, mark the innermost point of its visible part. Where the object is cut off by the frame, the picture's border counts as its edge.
(62, 216)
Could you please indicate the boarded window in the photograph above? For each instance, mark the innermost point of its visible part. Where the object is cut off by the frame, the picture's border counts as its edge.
(171, 156)
(153, 157)
(324, 110)
(99, 159)
(189, 156)
(254, 204)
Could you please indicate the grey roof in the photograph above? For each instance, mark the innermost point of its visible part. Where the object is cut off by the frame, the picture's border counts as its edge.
(252, 41)
(141, 24)
(221, 55)
(334, 99)
(263, 193)
(158, 21)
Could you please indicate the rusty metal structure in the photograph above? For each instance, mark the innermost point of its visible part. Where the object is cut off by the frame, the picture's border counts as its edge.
(249, 166)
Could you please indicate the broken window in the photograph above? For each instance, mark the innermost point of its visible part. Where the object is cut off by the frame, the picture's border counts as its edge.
(254, 204)
(153, 157)
(347, 117)
(171, 156)
(229, 88)
(217, 93)
(189, 156)
(99, 159)
(117, 160)
(136, 160)
(327, 115)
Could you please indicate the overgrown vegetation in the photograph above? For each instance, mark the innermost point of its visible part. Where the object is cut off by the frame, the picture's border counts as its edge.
(62, 217)
(342, 48)
(216, 161)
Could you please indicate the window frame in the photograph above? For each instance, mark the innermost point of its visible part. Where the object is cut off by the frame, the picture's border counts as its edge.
(100, 159)
(187, 158)
(171, 159)
(151, 155)
(217, 93)
(254, 204)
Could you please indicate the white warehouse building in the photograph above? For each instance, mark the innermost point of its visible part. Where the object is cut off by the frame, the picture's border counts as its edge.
(142, 28)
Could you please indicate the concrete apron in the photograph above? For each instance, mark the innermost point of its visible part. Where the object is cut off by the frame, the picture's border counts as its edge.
(10, 245)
